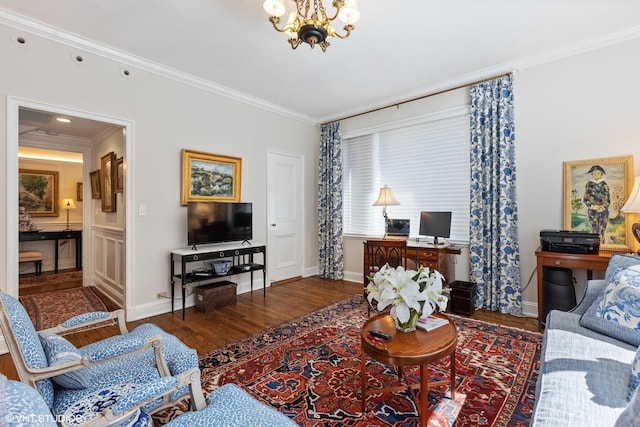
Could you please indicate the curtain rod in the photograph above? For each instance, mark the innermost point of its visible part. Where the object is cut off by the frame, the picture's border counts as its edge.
(398, 104)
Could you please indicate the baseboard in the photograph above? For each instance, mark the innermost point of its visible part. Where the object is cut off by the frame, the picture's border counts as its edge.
(530, 309)
(163, 305)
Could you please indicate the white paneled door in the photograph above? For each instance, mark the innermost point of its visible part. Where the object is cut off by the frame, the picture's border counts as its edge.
(285, 180)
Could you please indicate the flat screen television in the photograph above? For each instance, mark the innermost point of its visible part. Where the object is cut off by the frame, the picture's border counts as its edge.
(435, 224)
(217, 222)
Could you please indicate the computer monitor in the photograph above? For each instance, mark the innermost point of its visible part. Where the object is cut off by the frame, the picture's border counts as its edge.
(398, 227)
(435, 224)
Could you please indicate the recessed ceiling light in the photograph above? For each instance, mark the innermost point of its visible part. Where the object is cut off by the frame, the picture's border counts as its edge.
(63, 120)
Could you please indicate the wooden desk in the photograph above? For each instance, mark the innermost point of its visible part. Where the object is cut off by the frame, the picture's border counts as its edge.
(417, 348)
(598, 262)
(35, 236)
(436, 258)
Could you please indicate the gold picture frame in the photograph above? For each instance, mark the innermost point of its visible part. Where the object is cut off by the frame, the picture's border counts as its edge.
(594, 190)
(108, 181)
(119, 175)
(79, 190)
(38, 192)
(210, 177)
(95, 179)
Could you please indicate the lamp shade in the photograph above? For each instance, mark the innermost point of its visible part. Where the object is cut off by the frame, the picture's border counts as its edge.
(633, 203)
(386, 197)
(67, 204)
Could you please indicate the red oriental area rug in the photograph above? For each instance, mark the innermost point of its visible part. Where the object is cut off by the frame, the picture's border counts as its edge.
(309, 369)
(49, 309)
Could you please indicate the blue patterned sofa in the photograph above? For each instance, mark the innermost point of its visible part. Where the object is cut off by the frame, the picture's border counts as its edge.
(590, 361)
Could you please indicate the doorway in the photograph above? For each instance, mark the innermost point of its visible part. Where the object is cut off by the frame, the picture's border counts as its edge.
(43, 136)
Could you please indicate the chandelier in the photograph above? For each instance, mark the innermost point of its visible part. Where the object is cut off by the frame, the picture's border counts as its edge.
(309, 23)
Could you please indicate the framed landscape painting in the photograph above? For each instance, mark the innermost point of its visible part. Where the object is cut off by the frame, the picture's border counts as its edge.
(38, 192)
(594, 190)
(210, 177)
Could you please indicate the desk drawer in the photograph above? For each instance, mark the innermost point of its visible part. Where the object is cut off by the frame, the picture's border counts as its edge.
(425, 255)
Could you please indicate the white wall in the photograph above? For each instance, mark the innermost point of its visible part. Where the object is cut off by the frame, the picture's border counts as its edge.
(582, 107)
(167, 116)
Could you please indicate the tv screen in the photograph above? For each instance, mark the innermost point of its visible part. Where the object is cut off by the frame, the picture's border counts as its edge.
(216, 222)
(435, 224)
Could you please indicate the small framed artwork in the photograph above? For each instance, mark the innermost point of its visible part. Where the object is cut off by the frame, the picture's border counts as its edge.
(38, 192)
(119, 175)
(107, 183)
(95, 178)
(210, 177)
(594, 190)
(79, 191)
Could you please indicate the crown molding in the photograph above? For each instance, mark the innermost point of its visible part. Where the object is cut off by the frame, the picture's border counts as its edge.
(78, 42)
(519, 64)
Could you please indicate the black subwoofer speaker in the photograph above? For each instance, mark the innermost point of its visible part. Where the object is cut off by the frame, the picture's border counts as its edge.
(558, 290)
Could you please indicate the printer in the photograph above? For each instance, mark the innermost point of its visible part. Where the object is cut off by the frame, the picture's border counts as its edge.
(572, 242)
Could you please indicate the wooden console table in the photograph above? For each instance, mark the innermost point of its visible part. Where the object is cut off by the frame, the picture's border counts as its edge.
(598, 262)
(36, 236)
(242, 258)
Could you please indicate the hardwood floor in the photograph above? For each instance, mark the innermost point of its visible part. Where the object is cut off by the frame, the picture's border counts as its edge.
(253, 313)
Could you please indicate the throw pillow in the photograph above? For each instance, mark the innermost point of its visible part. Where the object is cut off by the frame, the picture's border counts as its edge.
(616, 310)
(635, 374)
(630, 417)
(59, 351)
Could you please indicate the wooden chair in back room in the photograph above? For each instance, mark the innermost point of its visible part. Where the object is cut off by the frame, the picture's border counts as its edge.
(377, 253)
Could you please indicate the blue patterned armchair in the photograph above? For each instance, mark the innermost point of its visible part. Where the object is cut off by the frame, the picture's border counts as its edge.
(105, 382)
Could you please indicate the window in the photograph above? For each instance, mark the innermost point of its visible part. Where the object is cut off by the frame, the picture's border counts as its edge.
(425, 161)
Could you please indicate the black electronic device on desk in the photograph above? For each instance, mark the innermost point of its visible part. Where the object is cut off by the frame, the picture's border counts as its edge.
(571, 242)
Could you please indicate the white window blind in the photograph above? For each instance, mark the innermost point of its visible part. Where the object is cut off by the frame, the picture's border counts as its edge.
(425, 164)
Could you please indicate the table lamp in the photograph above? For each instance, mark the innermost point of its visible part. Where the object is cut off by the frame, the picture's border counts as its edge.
(67, 204)
(633, 206)
(386, 198)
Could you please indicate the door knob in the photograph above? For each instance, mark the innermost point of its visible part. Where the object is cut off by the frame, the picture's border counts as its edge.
(273, 225)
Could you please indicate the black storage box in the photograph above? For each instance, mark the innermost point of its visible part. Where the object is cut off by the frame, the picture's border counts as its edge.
(215, 295)
(462, 297)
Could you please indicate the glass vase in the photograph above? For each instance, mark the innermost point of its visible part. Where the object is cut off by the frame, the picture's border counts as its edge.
(409, 325)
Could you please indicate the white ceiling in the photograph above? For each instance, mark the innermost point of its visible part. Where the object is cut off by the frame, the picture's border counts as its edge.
(399, 49)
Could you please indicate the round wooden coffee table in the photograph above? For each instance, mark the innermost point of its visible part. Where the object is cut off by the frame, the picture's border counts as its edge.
(418, 348)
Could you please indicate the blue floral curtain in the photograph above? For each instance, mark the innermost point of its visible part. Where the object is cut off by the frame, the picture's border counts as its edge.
(330, 203)
(493, 247)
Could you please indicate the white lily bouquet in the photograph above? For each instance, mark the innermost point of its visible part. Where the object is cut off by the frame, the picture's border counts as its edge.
(412, 294)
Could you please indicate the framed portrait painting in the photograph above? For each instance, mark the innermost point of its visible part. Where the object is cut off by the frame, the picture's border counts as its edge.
(594, 190)
(38, 192)
(95, 178)
(108, 181)
(210, 177)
